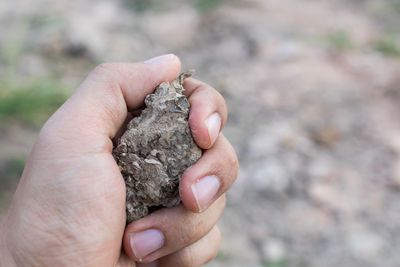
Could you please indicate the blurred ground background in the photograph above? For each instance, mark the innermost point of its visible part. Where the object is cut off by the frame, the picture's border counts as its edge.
(313, 89)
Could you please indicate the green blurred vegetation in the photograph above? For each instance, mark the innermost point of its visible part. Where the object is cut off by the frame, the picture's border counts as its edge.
(223, 255)
(141, 5)
(340, 40)
(394, 5)
(13, 168)
(28, 100)
(206, 5)
(31, 101)
(275, 263)
(11, 171)
(12, 48)
(201, 5)
(388, 45)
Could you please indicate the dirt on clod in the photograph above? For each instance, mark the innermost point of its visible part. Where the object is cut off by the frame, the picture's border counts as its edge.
(155, 150)
(312, 89)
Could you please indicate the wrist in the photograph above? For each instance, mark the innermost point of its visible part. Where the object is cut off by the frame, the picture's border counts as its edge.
(6, 258)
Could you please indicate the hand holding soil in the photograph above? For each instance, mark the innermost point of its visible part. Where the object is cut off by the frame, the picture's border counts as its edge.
(69, 208)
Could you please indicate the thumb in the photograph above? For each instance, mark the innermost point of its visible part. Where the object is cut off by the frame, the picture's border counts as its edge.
(99, 106)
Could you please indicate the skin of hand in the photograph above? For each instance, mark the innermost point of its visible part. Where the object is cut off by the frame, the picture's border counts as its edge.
(69, 207)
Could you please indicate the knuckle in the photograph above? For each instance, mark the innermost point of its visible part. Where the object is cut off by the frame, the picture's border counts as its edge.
(108, 73)
(105, 72)
(105, 67)
(228, 165)
(231, 158)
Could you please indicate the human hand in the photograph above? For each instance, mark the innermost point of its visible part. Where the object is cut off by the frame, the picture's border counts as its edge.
(69, 207)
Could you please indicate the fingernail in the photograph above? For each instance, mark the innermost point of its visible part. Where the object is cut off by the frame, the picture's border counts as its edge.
(204, 191)
(145, 242)
(213, 124)
(159, 59)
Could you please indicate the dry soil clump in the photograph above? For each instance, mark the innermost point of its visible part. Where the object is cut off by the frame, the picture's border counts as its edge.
(156, 149)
